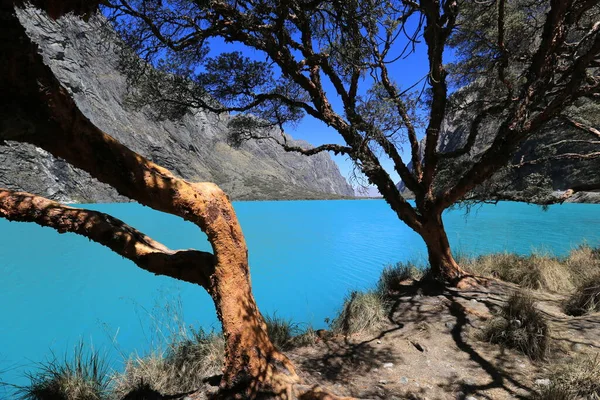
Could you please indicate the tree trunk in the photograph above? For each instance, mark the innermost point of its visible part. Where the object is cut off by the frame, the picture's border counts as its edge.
(252, 363)
(35, 108)
(442, 263)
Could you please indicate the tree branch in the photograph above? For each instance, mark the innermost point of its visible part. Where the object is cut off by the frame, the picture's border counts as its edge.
(528, 116)
(582, 126)
(188, 265)
(564, 156)
(473, 132)
(335, 148)
(412, 134)
(436, 33)
(37, 109)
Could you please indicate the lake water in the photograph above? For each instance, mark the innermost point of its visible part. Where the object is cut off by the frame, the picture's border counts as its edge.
(57, 290)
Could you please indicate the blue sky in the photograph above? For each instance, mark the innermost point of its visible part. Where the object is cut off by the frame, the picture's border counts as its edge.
(406, 72)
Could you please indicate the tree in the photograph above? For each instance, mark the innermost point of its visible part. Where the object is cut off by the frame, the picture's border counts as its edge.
(36, 109)
(520, 64)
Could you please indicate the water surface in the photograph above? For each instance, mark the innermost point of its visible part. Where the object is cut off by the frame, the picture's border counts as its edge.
(304, 255)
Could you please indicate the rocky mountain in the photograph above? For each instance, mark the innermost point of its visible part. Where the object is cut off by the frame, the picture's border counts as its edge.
(194, 147)
(543, 180)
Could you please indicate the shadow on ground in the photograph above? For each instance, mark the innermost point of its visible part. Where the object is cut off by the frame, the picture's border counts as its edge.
(432, 342)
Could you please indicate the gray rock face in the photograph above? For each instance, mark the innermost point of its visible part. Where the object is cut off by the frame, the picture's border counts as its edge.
(195, 147)
(534, 182)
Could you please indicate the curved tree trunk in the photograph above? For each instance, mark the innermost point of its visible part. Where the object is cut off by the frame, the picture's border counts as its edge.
(442, 263)
(35, 108)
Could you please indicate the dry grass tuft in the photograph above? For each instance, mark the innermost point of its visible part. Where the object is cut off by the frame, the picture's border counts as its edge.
(281, 331)
(585, 299)
(307, 338)
(81, 377)
(393, 276)
(178, 369)
(583, 264)
(361, 312)
(286, 334)
(536, 271)
(540, 271)
(520, 326)
(577, 379)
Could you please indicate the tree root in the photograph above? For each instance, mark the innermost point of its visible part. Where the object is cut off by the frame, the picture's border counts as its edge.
(469, 281)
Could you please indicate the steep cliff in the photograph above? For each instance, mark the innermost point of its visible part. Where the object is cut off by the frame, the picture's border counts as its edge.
(543, 172)
(82, 56)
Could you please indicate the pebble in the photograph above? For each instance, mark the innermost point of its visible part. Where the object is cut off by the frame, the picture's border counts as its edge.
(450, 325)
(474, 301)
(388, 365)
(383, 381)
(576, 347)
(542, 382)
(470, 398)
(379, 342)
(404, 380)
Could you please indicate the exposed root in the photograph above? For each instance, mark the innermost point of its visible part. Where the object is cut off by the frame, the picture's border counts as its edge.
(469, 281)
(316, 393)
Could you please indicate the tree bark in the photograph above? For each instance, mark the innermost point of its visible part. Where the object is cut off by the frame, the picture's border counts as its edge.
(35, 108)
(441, 261)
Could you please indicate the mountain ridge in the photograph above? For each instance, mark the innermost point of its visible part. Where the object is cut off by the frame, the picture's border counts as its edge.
(194, 147)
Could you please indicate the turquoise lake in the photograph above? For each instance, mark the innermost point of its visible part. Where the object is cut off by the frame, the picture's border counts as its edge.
(57, 290)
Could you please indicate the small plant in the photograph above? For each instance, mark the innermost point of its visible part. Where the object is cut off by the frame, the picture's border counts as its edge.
(178, 369)
(577, 379)
(361, 312)
(285, 334)
(281, 331)
(585, 299)
(520, 326)
(84, 376)
(307, 338)
(392, 277)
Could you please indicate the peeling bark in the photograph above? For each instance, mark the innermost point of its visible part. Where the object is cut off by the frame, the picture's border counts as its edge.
(441, 260)
(35, 108)
(188, 265)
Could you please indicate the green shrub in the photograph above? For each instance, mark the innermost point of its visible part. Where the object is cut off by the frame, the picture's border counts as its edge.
(179, 368)
(84, 376)
(577, 379)
(585, 299)
(361, 312)
(520, 326)
(392, 277)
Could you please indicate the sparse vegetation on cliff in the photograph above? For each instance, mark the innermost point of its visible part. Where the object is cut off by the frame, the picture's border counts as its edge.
(361, 312)
(178, 368)
(575, 378)
(521, 326)
(539, 271)
(83, 376)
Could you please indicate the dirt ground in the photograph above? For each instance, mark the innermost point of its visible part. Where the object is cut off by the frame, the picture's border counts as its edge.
(431, 349)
